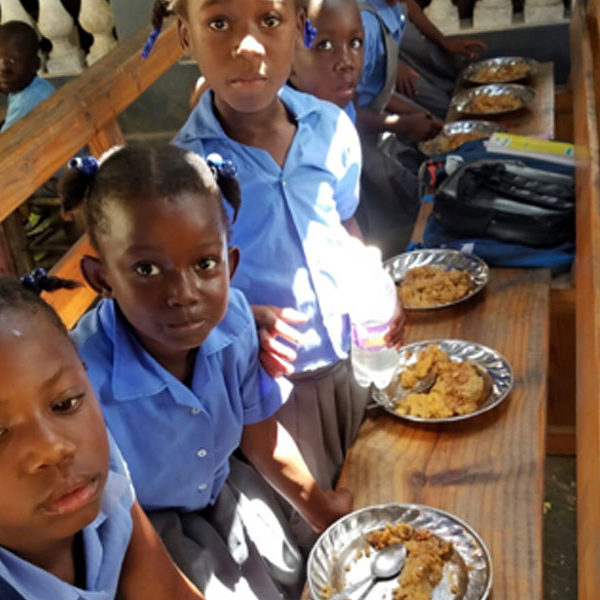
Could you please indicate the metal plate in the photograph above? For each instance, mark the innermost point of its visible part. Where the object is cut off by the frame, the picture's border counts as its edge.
(398, 266)
(459, 350)
(469, 568)
(451, 130)
(471, 72)
(462, 101)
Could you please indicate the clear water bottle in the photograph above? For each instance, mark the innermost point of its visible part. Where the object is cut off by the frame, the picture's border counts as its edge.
(371, 312)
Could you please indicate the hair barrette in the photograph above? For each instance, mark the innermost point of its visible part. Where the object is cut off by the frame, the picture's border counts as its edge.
(310, 33)
(221, 167)
(152, 37)
(35, 280)
(86, 164)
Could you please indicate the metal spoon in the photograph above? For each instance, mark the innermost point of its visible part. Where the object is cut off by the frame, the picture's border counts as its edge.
(386, 564)
(421, 387)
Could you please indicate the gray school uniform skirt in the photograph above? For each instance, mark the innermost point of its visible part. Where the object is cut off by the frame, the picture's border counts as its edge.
(240, 548)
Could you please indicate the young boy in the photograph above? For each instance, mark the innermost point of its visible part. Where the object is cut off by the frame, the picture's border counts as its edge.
(19, 63)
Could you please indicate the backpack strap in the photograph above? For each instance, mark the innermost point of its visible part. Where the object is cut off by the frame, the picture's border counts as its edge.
(391, 69)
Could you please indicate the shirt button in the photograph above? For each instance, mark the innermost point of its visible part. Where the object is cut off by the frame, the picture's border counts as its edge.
(201, 453)
(195, 411)
(202, 487)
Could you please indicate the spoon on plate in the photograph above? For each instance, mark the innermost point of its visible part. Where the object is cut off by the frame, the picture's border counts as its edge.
(387, 564)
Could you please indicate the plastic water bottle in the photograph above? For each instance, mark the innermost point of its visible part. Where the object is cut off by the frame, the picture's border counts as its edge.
(371, 312)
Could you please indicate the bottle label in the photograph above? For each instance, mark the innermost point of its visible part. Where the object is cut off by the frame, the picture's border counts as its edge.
(370, 337)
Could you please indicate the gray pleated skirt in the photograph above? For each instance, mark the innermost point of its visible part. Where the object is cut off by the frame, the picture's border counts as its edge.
(240, 548)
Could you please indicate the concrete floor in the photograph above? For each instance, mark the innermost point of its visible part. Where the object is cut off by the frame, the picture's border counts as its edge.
(560, 542)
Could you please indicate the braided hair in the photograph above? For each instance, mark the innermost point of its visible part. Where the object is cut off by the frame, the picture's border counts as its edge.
(135, 173)
(24, 295)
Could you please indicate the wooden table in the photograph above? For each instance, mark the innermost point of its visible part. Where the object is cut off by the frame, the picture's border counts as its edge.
(535, 119)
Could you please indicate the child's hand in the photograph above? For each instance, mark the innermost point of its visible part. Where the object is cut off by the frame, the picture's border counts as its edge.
(272, 322)
(465, 46)
(405, 79)
(418, 126)
(331, 506)
(395, 336)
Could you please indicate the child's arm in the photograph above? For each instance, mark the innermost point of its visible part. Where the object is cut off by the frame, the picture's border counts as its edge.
(465, 46)
(274, 453)
(405, 79)
(148, 571)
(416, 126)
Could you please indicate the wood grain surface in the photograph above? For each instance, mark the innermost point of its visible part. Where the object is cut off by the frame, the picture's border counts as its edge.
(535, 119)
(487, 470)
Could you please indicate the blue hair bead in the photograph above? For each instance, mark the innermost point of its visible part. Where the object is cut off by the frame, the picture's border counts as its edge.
(310, 33)
(35, 280)
(152, 37)
(221, 167)
(85, 164)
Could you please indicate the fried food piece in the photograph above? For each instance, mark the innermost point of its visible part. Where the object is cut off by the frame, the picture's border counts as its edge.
(459, 388)
(431, 285)
(447, 143)
(488, 103)
(502, 72)
(426, 555)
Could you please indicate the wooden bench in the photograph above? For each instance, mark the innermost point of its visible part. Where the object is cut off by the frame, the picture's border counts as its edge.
(82, 112)
(585, 83)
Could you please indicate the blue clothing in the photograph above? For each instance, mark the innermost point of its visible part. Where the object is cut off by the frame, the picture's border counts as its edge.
(289, 228)
(105, 542)
(177, 440)
(19, 104)
(350, 110)
(374, 69)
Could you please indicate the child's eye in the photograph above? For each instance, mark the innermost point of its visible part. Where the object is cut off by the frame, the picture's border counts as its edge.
(3, 432)
(218, 25)
(146, 269)
(356, 43)
(69, 405)
(271, 21)
(208, 264)
(325, 45)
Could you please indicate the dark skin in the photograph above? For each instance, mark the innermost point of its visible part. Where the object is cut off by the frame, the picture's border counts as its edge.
(19, 62)
(54, 461)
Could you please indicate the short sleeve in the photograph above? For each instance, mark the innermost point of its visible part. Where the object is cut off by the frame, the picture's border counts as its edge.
(373, 48)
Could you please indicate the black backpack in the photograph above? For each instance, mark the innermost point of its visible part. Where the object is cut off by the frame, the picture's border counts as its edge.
(508, 201)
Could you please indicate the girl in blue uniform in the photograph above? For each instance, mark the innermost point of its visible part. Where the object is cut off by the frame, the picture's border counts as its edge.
(172, 353)
(70, 527)
(298, 162)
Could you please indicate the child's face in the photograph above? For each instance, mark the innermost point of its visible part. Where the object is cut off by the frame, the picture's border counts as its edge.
(18, 65)
(331, 68)
(53, 448)
(168, 267)
(244, 48)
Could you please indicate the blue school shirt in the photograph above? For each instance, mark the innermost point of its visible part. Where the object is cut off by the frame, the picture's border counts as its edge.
(105, 541)
(176, 440)
(19, 104)
(375, 62)
(350, 110)
(289, 228)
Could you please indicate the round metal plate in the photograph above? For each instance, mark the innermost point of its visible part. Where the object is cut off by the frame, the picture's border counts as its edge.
(333, 559)
(398, 266)
(459, 350)
(471, 72)
(451, 130)
(462, 101)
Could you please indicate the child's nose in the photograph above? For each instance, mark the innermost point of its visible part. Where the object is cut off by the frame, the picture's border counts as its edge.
(346, 60)
(183, 291)
(250, 45)
(47, 447)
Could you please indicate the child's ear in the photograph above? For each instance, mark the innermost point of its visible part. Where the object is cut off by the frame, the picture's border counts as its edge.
(183, 32)
(93, 272)
(233, 259)
(300, 23)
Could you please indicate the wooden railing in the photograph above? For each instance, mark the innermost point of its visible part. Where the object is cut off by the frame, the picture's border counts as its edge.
(82, 112)
(585, 77)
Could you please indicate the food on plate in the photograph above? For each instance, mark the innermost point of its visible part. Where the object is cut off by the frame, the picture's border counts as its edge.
(501, 72)
(427, 286)
(448, 142)
(494, 103)
(460, 388)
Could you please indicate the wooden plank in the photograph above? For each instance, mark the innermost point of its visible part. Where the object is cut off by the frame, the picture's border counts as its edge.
(535, 119)
(587, 283)
(487, 470)
(563, 116)
(561, 441)
(38, 145)
(106, 138)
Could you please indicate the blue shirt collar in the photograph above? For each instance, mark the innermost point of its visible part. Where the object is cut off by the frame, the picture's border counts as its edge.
(392, 16)
(136, 374)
